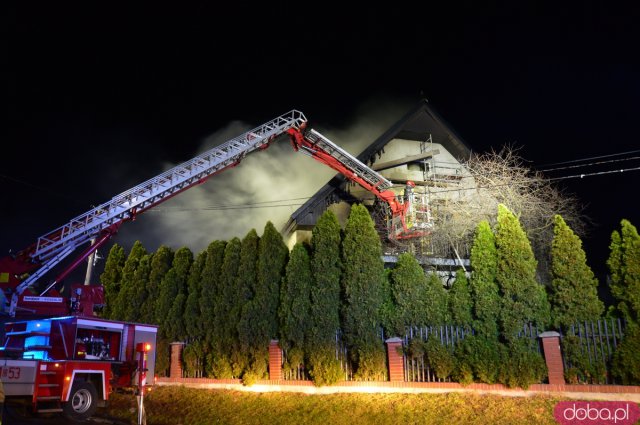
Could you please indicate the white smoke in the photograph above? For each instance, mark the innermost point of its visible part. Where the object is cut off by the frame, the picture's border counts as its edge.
(266, 186)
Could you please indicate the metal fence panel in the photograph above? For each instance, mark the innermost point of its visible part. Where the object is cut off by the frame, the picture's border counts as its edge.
(597, 341)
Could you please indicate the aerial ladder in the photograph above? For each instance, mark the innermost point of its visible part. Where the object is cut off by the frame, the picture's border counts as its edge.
(23, 271)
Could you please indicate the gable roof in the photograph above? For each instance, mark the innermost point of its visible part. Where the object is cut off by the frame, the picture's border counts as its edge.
(417, 124)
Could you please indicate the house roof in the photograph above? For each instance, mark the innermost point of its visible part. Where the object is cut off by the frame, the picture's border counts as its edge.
(417, 124)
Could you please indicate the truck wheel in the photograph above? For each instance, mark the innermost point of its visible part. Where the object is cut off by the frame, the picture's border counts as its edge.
(82, 403)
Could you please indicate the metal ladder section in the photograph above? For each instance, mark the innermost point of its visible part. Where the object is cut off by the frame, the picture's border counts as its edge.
(125, 205)
(49, 390)
(348, 160)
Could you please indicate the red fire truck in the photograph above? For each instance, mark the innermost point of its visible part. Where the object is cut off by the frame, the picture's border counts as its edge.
(71, 364)
(57, 353)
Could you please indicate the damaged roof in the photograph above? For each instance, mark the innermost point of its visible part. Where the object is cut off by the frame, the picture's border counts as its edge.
(417, 124)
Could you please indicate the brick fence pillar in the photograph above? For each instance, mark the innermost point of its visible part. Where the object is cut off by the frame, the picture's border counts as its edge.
(396, 359)
(553, 357)
(275, 360)
(175, 367)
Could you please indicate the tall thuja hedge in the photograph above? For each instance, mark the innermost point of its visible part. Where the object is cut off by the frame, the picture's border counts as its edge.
(118, 309)
(138, 293)
(484, 288)
(524, 300)
(409, 294)
(295, 305)
(460, 304)
(260, 318)
(194, 353)
(624, 269)
(273, 255)
(172, 295)
(111, 277)
(160, 265)
(210, 290)
(230, 361)
(480, 356)
(574, 288)
(212, 296)
(247, 278)
(193, 322)
(362, 283)
(326, 269)
(437, 306)
(176, 322)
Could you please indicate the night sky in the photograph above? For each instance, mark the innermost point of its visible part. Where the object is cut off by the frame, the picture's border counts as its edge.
(101, 97)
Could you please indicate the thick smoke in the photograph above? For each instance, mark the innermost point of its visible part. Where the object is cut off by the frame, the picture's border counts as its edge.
(266, 186)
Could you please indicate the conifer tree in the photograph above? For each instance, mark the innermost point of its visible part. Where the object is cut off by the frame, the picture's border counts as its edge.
(170, 303)
(118, 309)
(573, 293)
(247, 277)
(362, 283)
(163, 359)
(624, 270)
(295, 305)
(176, 320)
(230, 360)
(193, 319)
(111, 277)
(211, 293)
(524, 300)
(326, 271)
(388, 310)
(133, 308)
(484, 288)
(160, 265)
(273, 255)
(260, 314)
(436, 309)
(460, 304)
(409, 292)
(212, 302)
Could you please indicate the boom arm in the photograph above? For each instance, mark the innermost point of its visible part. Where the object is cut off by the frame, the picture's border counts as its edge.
(127, 205)
(325, 151)
(102, 222)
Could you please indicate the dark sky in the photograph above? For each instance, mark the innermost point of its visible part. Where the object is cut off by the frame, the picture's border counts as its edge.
(99, 96)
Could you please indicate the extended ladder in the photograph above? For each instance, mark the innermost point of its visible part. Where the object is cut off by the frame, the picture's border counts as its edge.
(54, 246)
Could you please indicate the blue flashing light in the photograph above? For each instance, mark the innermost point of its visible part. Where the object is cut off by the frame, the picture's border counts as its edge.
(40, 326)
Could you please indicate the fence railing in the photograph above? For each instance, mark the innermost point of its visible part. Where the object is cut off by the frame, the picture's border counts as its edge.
(416, 368)
(293, 372)
(596, 342)
(342, 355)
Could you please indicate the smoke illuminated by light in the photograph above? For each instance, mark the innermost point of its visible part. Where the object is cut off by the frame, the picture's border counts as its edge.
(276, 174)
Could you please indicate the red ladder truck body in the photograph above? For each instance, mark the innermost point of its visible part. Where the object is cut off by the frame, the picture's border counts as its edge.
(71, 364)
